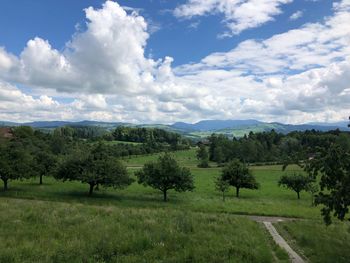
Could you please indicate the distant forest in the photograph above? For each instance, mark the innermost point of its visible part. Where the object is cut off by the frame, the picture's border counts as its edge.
(274, 147)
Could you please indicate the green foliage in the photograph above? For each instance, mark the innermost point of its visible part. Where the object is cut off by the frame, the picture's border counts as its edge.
(166, 174)
(44, 164)
(203, 156)
(95, 169)
(296, 182)
(154, 137)
(239, 176)
(222, 186)
(333, 165)
(23, 132)
(273, 147)
(15, 162)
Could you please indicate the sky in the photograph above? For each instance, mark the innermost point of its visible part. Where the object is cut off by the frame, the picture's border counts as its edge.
(163, 61)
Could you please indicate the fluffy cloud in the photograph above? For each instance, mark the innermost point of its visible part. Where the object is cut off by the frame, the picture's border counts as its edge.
(298, 76)
(107, 58)
(239, 15)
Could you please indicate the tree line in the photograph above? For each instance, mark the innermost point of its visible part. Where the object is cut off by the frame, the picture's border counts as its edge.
(274, 147)
(151, 136)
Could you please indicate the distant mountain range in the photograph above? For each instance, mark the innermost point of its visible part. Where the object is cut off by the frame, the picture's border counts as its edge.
(200, 129)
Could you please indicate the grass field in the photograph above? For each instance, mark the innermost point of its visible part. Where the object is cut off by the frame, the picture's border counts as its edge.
(319, 243)
(134, 225)
(60, 232)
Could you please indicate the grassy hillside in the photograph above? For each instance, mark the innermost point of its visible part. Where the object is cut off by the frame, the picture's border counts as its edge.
(57, 222)
(60, 232)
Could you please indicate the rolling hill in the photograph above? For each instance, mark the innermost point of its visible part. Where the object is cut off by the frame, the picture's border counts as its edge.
(231, 128)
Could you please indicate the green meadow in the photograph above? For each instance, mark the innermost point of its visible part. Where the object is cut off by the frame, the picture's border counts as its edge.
(58, 222)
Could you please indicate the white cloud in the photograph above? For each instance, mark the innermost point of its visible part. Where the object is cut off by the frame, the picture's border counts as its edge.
(107, 58)
(239, 15)
(297, 76)
(296, 15)
(312, 45)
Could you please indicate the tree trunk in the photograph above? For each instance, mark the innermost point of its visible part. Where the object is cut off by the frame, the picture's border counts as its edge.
(237, 191)
(298, 193)
(41, 179)
(5, 184)
(91, 188)
(97, 188)
(164, 195)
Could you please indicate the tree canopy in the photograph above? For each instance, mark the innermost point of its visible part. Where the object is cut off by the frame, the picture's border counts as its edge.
(15, 162)
(296, 182)
(166, 174)
(238, 175)
(333, 165)
(95, 168)
(203, 156)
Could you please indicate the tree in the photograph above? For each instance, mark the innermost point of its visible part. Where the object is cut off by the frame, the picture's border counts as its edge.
(15, 162)
(296, 182)
(221, 186)
(239, 176)
(203, 156)
(94, 170)
(333, 166)
(166, 174)
(313, 188)
(219, 156)
(45, 164)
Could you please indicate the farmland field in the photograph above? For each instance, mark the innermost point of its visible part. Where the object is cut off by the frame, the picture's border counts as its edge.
(58, 221)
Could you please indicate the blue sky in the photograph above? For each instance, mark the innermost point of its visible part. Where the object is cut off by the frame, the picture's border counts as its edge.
(186, 60)
(21, 20)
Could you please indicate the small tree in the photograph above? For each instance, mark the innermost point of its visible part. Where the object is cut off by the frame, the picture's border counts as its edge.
(166, 174)
(296, 182)
(44, 164)
(106, 171)
(14, 162)
(203, 156)
(313, 188)
(239, 176)
(221, 186)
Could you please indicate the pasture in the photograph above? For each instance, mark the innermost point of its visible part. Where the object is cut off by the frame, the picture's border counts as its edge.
(57, 221)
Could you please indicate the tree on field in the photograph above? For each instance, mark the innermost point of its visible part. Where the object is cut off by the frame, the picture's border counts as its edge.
(313, 188)
(44, 164)
(203, 156)
(221, 186)
(15, 162)
(333, 165)
(296, 182)
(238, 175)
(166, 174)
(93, 170)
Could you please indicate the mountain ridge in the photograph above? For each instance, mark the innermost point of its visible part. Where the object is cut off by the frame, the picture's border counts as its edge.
(236, 128)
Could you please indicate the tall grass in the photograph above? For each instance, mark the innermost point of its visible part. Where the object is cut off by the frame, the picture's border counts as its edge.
(38, 231)
(319, 243)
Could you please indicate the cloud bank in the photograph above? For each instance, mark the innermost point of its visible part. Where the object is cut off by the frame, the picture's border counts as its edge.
(103, 74)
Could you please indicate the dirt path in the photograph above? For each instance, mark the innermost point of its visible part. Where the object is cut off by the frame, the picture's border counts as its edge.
(267, 221)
